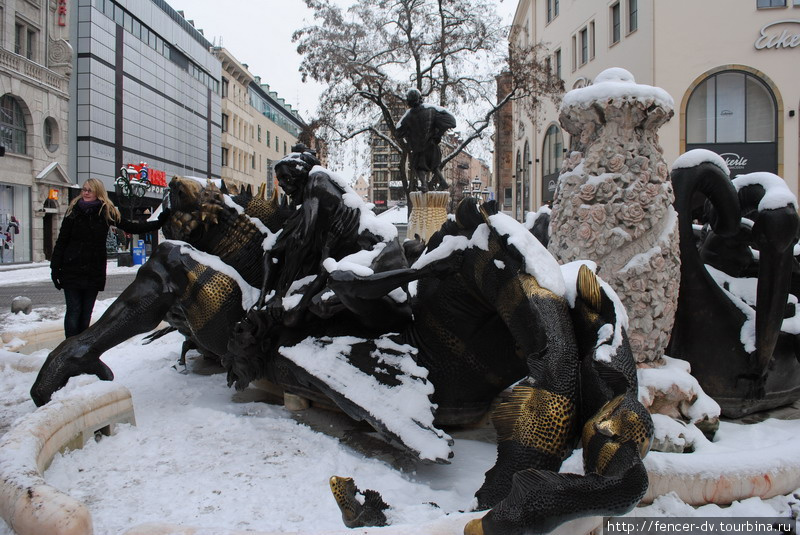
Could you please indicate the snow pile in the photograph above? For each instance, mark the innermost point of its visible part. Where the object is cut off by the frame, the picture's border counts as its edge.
(676, 391)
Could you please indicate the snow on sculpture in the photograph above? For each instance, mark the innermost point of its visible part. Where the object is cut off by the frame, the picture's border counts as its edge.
(613, 202)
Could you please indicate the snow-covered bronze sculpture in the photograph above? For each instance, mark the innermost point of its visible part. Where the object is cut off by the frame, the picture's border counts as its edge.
(490, 307)
(737, 322)
(613, 202)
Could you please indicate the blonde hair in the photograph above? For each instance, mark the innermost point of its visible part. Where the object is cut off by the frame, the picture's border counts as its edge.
(107, 207)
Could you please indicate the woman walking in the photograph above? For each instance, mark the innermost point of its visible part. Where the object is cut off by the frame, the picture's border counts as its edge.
(78, 264)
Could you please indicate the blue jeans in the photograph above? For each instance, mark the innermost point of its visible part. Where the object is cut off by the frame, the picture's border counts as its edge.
(79, 310)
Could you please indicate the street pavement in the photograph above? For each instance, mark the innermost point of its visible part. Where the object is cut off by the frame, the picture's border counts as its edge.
(44, 294)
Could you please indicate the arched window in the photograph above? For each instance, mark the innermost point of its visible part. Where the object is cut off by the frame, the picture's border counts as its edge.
(552, 156)
(12, 125)
(734, 114)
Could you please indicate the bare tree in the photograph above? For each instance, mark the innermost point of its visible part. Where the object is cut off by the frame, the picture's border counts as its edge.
(450, 50)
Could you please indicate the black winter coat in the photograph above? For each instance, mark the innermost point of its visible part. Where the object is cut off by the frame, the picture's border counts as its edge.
(79, 256)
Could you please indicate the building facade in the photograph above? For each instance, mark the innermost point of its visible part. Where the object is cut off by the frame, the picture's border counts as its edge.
(735, 89)
(147, 90)
(258, 127)
(35, 71)
(277, 128)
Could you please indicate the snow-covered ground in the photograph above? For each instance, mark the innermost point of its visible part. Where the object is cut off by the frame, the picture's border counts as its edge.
(198, 457)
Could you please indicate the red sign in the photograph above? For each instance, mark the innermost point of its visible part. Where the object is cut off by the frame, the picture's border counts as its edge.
(142, 173)
(62, 12)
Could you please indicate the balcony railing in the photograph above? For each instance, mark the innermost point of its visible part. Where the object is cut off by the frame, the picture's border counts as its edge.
(32, 70)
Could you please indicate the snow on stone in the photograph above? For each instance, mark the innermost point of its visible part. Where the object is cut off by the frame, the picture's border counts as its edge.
(249, 293)
(404, 409)
(675, 373)
(616, 84)
(776, 193)
(538, 261)
(741, 450)
(695, 157)
(607, 344)
(641, 261)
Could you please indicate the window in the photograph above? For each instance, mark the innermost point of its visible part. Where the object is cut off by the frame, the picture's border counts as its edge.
(557, 56)
(574, 53)
(731, 107)
(13, 133)
(277, 144)
(616, 23)
(773, 3)
(253, 161)
(552, 9)
(25, 40)
(224, 122)
(259, 133)
(633, 15)
(591, 40)
(224, 157)
(224, 88)
(51, 134)
(268, 138)
(552, 156)
(507, 196)
(584, 54)
(284, 147)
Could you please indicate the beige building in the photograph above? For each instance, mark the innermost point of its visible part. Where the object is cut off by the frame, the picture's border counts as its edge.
(35, 69)
(729, 65)
(258, 127)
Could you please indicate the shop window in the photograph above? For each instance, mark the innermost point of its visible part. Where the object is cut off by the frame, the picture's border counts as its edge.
(760, 4)
(51, 134)
(13, 133)
(731, 107)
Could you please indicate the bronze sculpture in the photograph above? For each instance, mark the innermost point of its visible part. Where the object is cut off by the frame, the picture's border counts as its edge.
(744, 354)
(422, 128)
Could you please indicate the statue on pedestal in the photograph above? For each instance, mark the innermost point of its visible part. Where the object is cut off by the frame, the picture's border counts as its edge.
(422, 128)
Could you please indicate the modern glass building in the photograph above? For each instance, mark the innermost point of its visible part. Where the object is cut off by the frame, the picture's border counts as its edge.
(147, 90)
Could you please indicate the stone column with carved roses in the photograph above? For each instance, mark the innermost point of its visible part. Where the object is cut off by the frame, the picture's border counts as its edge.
(613, 202)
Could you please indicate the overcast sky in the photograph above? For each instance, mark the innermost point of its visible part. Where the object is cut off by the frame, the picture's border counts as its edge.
(259, 33)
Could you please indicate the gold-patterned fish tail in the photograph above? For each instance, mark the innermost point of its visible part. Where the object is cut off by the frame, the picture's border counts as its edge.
(212, 301)
(535, 428)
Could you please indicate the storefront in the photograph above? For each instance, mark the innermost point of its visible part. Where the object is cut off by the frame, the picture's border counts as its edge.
(15, 224)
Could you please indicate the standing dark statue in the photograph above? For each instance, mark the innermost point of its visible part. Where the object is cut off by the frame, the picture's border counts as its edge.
(422, 128)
